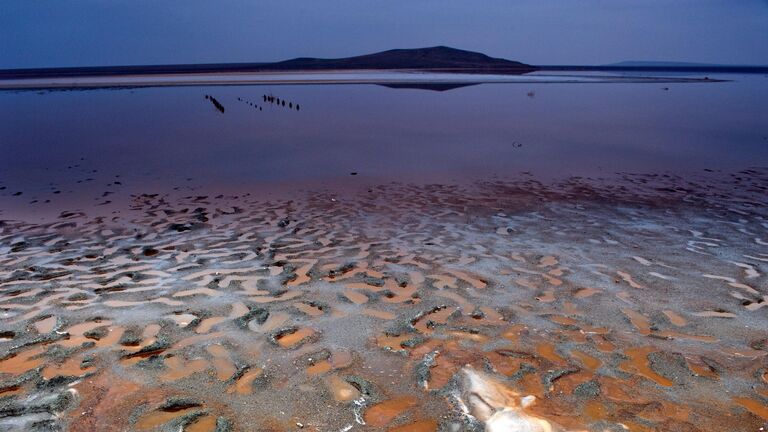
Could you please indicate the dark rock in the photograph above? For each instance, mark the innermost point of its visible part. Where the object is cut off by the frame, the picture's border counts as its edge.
(224, 424)
(422, 368)
(161, 343)
(131, 337)
(58, 353)
(759, 344)
(341, 270)
(18, 381)
(254, 313)
(370, 280)
(181, 423)
(524, 370)
(56, 382)
(550, 377)
(78, 297)
(49, 425)
(669, 365)
(515, 354)
(174, 404)
(366, 388)
(96, 333)
(153, 362)
(413, 342)
(589, 389)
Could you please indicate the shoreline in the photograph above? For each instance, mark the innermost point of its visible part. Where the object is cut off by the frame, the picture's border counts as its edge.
(101, 201)
(338, 77)
(267, 68)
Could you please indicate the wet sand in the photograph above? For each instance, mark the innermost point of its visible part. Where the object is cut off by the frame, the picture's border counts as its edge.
(639, 301)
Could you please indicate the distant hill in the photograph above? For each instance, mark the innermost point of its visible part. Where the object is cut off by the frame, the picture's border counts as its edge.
(433, 59)
(659, 67)
(663, 64)
(439, 58)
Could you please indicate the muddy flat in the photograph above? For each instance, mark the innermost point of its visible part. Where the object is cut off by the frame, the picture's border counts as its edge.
(624, 303)
(270, 270)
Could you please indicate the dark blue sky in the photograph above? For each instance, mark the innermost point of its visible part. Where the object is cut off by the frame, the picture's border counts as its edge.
(40, 33)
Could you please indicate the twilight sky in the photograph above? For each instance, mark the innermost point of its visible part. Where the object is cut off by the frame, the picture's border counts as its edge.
(47, 33)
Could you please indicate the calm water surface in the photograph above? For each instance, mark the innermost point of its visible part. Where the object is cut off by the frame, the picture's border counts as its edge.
(167, 135)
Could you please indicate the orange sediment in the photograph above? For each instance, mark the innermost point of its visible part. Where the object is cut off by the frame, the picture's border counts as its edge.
(383, 413)
(638, 364)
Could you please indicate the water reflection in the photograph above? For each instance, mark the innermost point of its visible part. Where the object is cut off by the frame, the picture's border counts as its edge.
(430, 86)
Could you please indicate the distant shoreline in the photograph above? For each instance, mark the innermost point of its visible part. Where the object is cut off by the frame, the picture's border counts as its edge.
(437, 59)
(224, 68)
(394, 78)
(439, 64)
(258, 68)
(656, 69)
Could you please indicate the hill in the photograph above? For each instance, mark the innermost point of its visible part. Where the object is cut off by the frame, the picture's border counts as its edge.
(439, 58)
(433, 59)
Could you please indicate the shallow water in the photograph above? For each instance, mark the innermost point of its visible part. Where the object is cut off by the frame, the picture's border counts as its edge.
(600, 246)
(58, 146)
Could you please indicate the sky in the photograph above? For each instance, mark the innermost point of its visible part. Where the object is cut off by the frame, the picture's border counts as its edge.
(55, 33)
